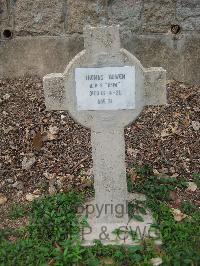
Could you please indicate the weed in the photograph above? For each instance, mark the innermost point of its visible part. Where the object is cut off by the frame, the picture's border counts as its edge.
(52, 237)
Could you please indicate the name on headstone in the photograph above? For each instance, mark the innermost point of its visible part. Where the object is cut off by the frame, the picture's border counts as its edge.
(105, 88)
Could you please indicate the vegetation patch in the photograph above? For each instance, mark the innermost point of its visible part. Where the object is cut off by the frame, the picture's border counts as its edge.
(52, 236)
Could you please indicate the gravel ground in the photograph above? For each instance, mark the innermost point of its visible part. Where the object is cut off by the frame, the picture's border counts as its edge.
(45, 152)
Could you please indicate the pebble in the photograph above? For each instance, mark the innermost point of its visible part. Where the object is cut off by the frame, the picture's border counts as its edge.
(191, 186)
(6, 96)
(30, 197)
(27, 163)
(196, 125)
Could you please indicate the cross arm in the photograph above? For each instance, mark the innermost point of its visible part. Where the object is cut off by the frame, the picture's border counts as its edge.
(155, 86)
(53, 85)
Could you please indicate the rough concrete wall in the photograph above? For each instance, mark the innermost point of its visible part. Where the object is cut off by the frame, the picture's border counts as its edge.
(147, 23)
(57, 17)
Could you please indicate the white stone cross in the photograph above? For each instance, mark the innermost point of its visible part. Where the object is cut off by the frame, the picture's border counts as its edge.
(105, 88)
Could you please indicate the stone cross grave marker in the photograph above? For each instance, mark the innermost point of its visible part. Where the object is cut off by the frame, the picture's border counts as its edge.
(105, 88)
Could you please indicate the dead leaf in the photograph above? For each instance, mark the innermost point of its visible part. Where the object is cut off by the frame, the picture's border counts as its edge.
(178, 215)
(53, 130)
(3, 199)
(174, 129)
(51, 134)
(133, 174)
(107, 261)
(156, 261)
(186, 121)
(37, 141)
(174, 197)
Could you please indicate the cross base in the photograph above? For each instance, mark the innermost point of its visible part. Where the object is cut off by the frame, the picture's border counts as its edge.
(131, 233)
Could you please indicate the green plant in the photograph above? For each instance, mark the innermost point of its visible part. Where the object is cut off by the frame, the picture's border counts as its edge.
(52, 236)
(188, 207)
(68, 253)
(55, 218)
(197, 179)
(18, 211)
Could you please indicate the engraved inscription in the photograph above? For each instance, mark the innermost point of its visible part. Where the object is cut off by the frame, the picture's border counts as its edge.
(106, 88)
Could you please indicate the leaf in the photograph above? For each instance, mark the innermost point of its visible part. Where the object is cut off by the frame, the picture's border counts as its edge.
(37, 141)
(139, 218)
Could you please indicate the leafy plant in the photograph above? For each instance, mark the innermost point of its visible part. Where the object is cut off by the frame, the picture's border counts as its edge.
(52, 236)
(55, 218)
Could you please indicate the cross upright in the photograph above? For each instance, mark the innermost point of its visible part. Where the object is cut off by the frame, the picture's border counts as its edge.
(105, 88)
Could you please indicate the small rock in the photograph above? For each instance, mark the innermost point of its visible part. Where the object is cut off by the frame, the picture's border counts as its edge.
(155, 171)
(10, 180)
(3, 199)
(178, 215)
(156, 261)
(196, 125)
(27, 163)
(62, 117)
(191, 186)
(30, 197)
(6, 96)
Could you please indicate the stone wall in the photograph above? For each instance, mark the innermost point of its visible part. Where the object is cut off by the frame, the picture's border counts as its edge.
(35, 34)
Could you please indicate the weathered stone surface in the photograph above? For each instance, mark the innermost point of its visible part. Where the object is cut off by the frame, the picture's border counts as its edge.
(103, 50)
(37, 17)
(188, 14)
(179, 54)
(126, 13)
(53, 85)
(3, 10)
(6, 16)
(155, 86)
(157, 16)
(81, 13)
(107, 127)
(38, 56)
(161, 50)
(191, 55)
